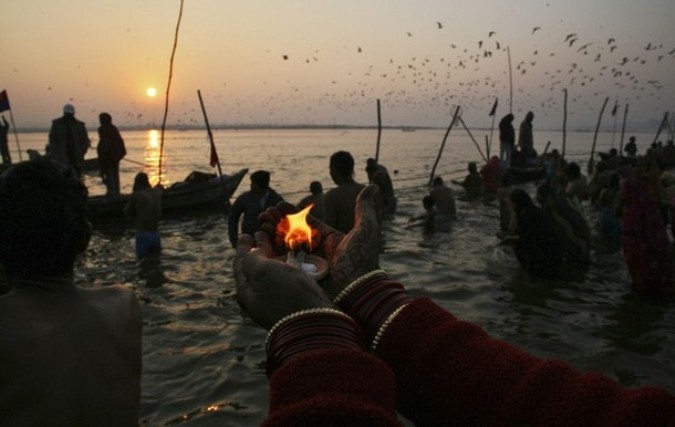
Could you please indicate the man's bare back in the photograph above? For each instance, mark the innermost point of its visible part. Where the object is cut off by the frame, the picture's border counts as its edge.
(69, 356)
(339, 205)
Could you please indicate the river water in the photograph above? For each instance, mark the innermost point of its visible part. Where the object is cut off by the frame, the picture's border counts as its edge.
(203, 362)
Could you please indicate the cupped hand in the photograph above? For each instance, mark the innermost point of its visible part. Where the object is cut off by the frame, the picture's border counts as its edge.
(349, 255)
(269, 289)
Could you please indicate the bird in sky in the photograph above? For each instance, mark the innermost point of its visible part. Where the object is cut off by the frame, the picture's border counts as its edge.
(572, 42)
(569, 36)
(285, 57)
(409, 33)
(584, 47)
(440, 25)
(610, 41)
(535, 29)
(491, 33)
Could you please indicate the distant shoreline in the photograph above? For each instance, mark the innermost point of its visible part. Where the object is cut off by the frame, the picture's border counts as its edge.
(310, 127)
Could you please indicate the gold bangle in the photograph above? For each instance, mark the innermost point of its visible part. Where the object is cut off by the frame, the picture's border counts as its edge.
(318, 310)
(385, 324)
(356, 283)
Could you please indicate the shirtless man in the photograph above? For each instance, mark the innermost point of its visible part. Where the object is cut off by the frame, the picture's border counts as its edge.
(443, 198)
(146, 207)
(69, 356)
(339, 202)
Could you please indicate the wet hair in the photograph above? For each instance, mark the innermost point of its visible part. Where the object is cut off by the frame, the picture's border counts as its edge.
(315, 187)
(437, 181)
(507, 119)
(343, 163)
(473, 167)
(43, 219)
(141, 181)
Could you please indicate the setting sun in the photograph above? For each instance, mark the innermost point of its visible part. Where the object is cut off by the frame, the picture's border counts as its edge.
(151, 92)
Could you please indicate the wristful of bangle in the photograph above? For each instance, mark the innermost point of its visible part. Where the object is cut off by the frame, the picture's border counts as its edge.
(309, 330)
(373, 301)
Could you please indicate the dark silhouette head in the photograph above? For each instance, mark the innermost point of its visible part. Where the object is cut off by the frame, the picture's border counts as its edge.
(315, 187)
(105, 119)
(342, 165)
(141, 181)
(43, 219)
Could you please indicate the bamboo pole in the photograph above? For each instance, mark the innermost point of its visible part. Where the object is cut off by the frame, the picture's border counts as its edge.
(445, 138)
(473, 139)
(379, 131)
(168, 90)
(487, 147)
(591, 162)
(663, 124)
(210, 134)
(623, 130)
(508, 52)
(564, 129)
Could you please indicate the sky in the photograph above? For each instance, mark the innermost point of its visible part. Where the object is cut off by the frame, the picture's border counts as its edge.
(293, 62)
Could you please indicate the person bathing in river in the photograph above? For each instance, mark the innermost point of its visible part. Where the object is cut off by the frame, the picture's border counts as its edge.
(378, 174)
(443, 199)
(491, 174)
(145, 206)
(69, 355)
(473, 183)
(315, 199)
(339, 201)
(537, 246)
(250, 204)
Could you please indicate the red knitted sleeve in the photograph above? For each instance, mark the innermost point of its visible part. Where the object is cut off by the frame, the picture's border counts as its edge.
(450, 371)
(332, 387)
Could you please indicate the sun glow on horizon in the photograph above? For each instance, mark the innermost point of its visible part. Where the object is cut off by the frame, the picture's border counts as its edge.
(151, 92)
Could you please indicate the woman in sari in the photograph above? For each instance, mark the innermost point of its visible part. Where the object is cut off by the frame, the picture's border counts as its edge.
(645, 242)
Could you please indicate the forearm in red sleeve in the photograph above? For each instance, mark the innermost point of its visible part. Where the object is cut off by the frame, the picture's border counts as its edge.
(332, 387)
(321, 375)
(451, 370)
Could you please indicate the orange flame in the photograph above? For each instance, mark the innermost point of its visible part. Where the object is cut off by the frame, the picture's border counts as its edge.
(295, 230)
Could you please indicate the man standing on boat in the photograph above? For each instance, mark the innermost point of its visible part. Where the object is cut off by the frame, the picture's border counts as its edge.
(526, 138)
(68, 140)
(507, 139)
(251, 204)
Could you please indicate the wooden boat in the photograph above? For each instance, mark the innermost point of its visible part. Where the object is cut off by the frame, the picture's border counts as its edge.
(184, 197)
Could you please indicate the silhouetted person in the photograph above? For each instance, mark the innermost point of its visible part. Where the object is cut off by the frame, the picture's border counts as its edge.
(68, 140)
(69, 356)
(111, 150)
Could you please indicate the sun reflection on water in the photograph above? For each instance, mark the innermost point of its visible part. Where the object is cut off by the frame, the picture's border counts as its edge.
(151, 157)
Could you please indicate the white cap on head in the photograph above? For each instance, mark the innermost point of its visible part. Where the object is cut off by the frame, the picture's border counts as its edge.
(68, 108)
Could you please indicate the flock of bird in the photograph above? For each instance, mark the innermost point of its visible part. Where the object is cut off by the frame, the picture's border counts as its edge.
(468, 75)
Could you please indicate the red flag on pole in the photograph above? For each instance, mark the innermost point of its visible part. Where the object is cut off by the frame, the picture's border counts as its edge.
(4, 101)
(214, 156)
(494, 107)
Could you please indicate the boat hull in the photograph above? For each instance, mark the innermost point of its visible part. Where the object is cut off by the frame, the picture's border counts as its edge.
(182, 198)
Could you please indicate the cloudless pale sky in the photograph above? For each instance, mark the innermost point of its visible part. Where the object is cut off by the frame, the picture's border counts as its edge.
(327, 62)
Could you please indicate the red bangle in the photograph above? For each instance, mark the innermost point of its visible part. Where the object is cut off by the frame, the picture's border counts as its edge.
(372, 302)
(310, 332)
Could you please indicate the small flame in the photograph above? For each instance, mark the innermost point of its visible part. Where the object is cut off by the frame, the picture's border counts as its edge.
(295, 230)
